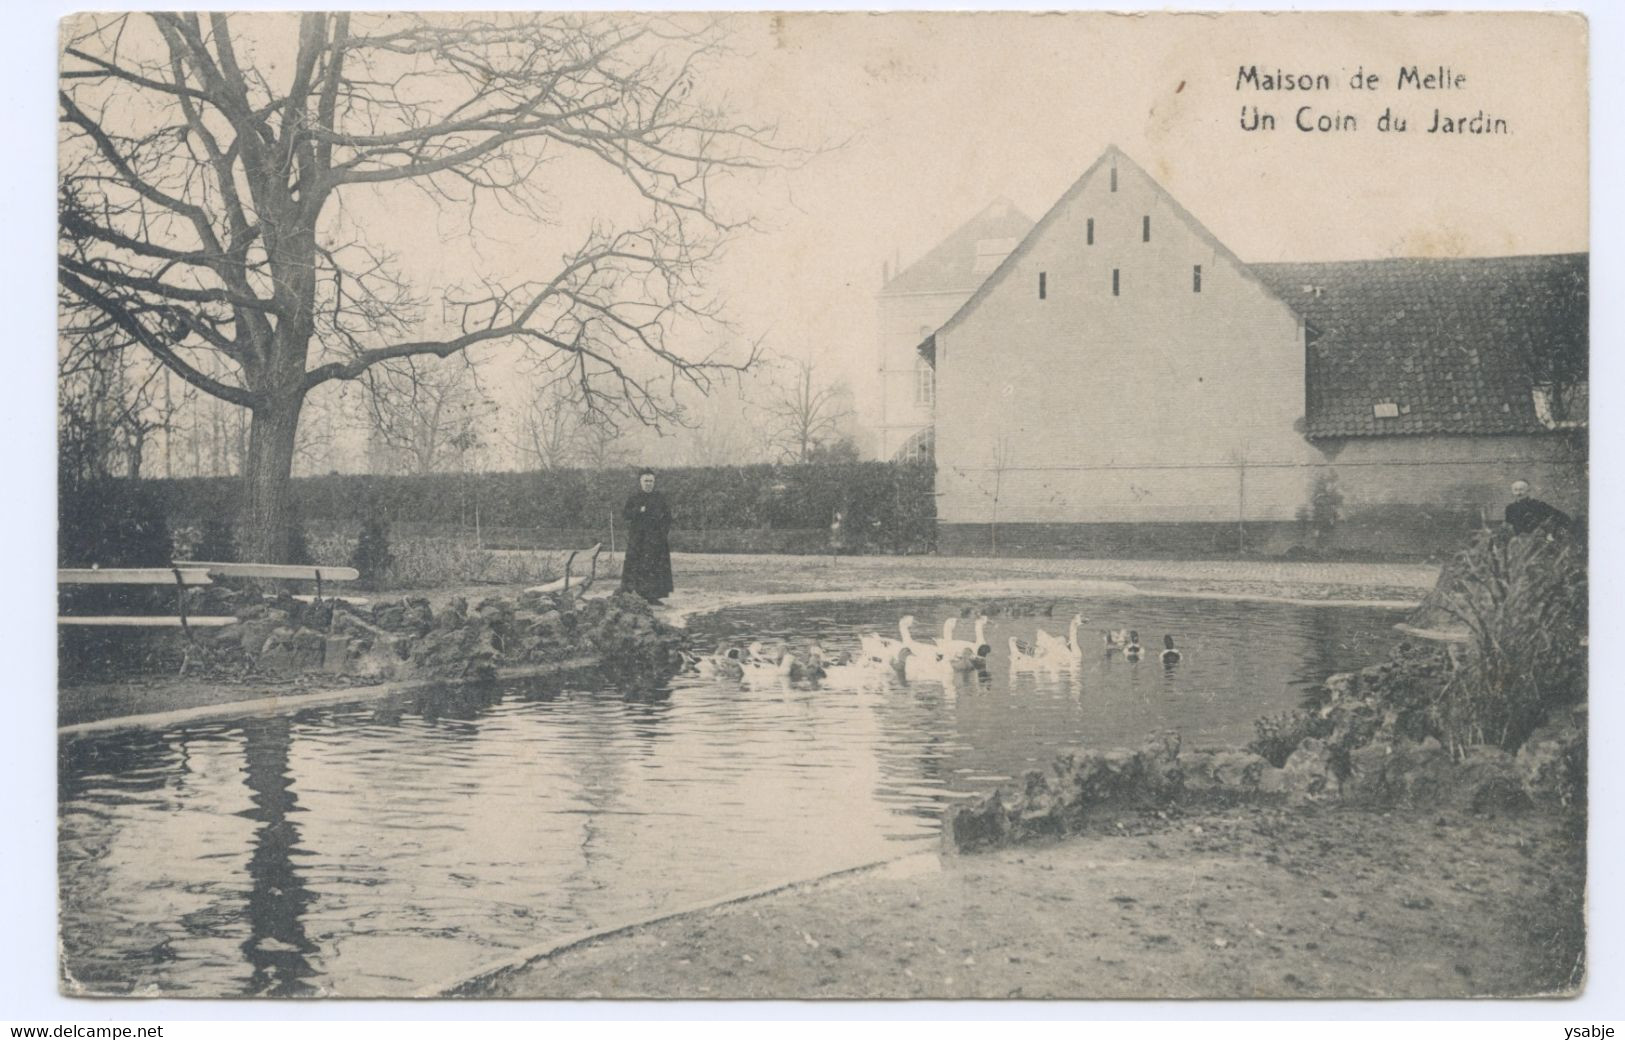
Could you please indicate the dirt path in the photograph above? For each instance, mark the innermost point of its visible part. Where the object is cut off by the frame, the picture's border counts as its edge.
(1245, 902)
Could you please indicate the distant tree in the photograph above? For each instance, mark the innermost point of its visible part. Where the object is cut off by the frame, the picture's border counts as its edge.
(108, 402)
(716, 432)
(805, 413)
(205, 159)
(424, 412)
(547, 428)
(1558, 361)
(600, 446)
(841, 450)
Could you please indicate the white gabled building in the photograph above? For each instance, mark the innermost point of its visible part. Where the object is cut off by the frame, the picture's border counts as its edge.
(915, 302)
(1122, 383)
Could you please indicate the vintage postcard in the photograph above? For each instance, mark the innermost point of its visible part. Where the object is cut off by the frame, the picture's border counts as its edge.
(579, 505)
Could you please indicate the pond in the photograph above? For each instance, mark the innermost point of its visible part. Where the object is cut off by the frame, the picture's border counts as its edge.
(377, 848)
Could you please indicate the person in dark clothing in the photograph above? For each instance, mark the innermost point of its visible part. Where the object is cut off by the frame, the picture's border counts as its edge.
(647, 568)
(1524, 514)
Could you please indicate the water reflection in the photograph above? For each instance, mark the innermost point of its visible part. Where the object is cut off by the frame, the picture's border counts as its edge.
(371, 849)
(276, 946)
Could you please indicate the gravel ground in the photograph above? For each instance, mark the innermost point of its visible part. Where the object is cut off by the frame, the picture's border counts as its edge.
(1244, 902)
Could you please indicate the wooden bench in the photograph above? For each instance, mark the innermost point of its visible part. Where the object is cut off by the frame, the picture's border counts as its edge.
(285, 572)
(563, 584)
(180, 577)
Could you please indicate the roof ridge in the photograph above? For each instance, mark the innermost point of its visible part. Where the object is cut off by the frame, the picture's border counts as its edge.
(944, 252)
(1052, 214)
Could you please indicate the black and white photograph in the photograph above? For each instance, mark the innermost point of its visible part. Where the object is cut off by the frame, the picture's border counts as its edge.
(848, 506)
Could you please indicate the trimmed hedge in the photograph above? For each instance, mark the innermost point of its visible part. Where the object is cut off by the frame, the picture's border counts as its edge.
(886, 507)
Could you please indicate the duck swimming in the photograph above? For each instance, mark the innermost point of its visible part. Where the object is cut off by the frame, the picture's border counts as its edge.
(1132, 649)
(762, 670)
(724, 663)
(1170, 654)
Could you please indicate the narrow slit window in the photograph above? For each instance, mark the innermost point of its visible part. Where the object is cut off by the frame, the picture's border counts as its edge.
(1114, 178)
(1196, 278)
(1042, 286)
(1116, 282)
(1089, 232)
(1145, 228)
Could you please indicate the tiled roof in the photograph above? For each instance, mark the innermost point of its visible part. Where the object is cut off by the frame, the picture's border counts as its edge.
(1431, 346)
(951, 265)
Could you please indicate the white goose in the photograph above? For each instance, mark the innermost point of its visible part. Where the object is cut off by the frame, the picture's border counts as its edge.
(873, 645)
(955, 647)
(760, 670)
(856, 673)
(1047, 652)
(923, 662)
(1056, 646)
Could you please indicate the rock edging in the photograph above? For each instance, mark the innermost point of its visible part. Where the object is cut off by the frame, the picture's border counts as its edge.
(1083, 787)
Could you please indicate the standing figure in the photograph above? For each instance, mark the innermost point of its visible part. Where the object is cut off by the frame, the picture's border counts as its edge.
(647, 567)
(1524, 514)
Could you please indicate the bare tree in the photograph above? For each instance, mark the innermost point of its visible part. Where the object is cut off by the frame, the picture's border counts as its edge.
(600, 446)
(547, 427)
(320, 422)
(109, 403)
(205, 159)
(424, 412)
(805, 414)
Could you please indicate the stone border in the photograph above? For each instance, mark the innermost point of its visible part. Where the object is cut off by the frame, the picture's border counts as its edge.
(278, 704)
(524, 958)
(679, 617)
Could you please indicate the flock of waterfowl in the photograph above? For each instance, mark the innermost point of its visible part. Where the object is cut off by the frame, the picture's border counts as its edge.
(879, 660)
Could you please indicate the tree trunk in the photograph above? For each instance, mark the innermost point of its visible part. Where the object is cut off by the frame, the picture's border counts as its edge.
(267, 473)
(133, 459)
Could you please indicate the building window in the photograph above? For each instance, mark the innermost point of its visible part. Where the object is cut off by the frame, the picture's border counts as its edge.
(925, 383)
(1196, 278)
(918, 448)
(1089, 232)
(1115, 282)
(1114, 178)
(1145, 228)
(1041, 285)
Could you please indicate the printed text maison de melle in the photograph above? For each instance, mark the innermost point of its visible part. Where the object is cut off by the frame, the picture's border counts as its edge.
(1426, 100)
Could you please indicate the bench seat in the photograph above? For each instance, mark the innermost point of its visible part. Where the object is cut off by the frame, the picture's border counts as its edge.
(149, 621)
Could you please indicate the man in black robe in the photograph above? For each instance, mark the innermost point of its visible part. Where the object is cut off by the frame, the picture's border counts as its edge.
(1524, 514)
(647, 568)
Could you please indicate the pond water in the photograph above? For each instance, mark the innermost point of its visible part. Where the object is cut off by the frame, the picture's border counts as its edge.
(377, 848)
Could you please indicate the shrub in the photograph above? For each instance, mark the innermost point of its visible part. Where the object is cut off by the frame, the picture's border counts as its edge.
(372, 557)
(218, 543)
(1522, 599)
(298, 544)
(113, 523)
(889, 506)
(1279, 735)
